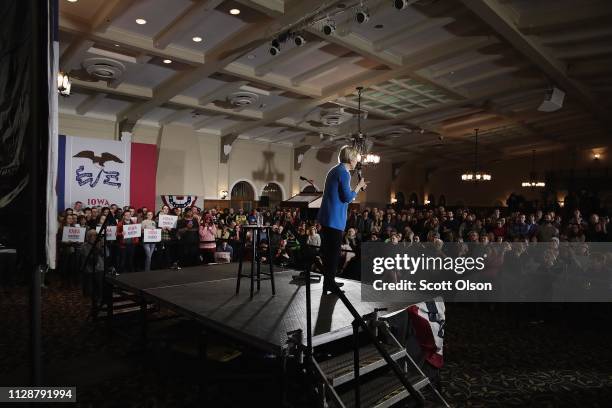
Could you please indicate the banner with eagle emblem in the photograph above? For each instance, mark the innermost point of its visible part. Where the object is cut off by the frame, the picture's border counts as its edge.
(101, 172)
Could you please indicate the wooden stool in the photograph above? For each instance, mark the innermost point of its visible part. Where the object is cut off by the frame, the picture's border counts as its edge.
(256, 258)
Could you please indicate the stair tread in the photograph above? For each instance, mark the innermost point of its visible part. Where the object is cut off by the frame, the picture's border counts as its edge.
(343, 364)
(380, 390)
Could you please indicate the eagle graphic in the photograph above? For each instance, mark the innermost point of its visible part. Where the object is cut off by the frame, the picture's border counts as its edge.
(103, 158)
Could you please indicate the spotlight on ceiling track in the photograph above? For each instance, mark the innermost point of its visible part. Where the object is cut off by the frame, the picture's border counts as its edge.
(362, 16)
(329, 27)
(400, 4)
(275, 47)
(299, 40)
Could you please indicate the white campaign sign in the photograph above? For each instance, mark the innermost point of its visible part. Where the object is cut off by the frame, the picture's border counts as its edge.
(132, 231)
(111, 232)
(152, 235)
(73, 234)
(97, 172)
(167, 221)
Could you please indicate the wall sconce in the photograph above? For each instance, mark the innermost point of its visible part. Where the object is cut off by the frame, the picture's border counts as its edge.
(63, 84)
(596, 156)
(223, 194)
(393, 200)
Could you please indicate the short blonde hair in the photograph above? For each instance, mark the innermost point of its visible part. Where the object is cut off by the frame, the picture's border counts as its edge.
(347, 154)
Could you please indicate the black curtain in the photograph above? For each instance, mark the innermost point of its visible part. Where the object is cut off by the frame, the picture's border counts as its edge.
(24, 135)
(23, 130)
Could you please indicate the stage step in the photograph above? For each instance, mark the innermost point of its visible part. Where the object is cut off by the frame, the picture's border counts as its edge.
(126, 306)
(339, 369)
(382, 391)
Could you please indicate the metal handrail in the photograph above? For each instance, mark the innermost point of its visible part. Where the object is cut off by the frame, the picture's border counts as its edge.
(358, 322)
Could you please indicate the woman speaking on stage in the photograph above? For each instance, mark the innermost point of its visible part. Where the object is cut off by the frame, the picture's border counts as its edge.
(332, 214)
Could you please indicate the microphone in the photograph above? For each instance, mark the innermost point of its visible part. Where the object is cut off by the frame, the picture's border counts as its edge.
(359, 174)
(307, 180)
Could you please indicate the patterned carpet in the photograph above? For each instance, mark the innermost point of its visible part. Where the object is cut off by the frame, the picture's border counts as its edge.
(496, 356)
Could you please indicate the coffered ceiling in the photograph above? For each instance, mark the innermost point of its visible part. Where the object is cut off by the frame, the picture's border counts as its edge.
(431, 72)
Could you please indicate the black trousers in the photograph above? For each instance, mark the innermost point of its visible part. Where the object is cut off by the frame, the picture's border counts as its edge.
(331, 240)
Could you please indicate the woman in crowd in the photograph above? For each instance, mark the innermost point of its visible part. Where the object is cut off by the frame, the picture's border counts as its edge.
(208, 234)
(149, 247)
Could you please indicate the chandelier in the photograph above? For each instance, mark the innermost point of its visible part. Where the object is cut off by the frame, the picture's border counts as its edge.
(533, 176)
(476, 175)
(360, 141)
(63, 84)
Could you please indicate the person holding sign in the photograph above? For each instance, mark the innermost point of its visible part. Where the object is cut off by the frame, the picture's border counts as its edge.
(68, 259)
(167, 222)
(126, 245)
(149, 247)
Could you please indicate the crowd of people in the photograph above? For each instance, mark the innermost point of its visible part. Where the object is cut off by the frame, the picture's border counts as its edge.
(214, 235)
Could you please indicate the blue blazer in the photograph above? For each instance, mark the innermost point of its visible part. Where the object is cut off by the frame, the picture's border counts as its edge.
(336, 198)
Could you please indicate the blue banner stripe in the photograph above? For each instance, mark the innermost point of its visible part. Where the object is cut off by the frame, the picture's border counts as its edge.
(61, 171)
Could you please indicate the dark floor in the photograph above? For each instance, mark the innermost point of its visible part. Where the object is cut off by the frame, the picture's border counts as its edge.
(496, 356)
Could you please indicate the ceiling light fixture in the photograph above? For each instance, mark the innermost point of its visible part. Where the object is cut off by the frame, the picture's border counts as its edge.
(234, 11)
(360, 143)
(533, 176)
(72, 1)
(299, 40)
(476, 175)
(167, 61)
(197, 39)
(141, 21)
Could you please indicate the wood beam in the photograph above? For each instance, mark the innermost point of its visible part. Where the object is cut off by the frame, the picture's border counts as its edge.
(585, 51)
(571, 15)
(576, 37)
(72, 55)
(174, 116)
(497, 16)
(286, 55)
(201, 124)
(487, 74)
(398, 36)
(89, 103)
(291, 135)
(470, 62)
(104, 16)
(324, 68)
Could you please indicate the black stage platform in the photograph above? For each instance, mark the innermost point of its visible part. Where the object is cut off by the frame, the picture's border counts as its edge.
(207, 294)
